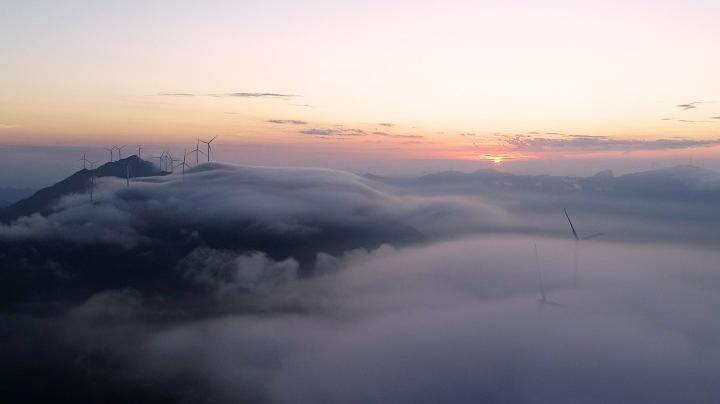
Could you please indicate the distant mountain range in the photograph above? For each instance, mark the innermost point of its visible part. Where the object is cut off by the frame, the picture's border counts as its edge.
(43, 200)
(673, 183)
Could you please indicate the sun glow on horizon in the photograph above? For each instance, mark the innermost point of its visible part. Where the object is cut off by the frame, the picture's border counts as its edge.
(498, 159)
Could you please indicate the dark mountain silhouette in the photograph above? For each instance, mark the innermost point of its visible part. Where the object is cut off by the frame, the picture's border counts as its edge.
(43, 200)
(58, 268)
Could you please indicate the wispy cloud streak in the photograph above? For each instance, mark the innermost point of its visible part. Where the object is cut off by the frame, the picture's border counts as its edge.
(236, 94)
(286, 121)
(337, 132)
(693, 105)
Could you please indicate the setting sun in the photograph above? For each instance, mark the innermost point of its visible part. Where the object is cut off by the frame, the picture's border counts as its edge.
(497, 158)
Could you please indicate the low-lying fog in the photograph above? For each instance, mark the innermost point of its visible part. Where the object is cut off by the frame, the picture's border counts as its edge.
(318, 286)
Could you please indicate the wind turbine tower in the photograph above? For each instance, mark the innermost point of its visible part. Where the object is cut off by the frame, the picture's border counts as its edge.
(127, 174)
(85, 161)
(92, 179)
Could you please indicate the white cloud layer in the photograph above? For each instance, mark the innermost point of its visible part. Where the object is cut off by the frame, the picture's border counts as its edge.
(460, 322)
(304, 285)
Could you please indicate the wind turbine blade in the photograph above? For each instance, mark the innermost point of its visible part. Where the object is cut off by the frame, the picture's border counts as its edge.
(212, 139)
(592, 236)
(571, 226)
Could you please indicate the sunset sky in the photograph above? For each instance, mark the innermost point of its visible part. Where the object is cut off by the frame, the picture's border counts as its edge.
(288, 81)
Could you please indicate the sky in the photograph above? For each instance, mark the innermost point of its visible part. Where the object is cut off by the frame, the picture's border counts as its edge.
(367, 84)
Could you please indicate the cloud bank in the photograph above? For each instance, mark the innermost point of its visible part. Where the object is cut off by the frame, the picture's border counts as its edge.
(305, 285)
(448, 322)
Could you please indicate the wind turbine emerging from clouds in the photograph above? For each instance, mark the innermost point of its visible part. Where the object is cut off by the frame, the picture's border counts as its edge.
(209, 149)
(197, 151)
(575, 233)
(578, 239)
(183, 163)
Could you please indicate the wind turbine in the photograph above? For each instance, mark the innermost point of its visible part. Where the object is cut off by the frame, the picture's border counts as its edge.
(209, 149)
(111, 152)
(183, 164)
(197, 151)
(169, 161)
(85, 161)
(575, 233)
(139, 151)
(119, 149)
(578, 239)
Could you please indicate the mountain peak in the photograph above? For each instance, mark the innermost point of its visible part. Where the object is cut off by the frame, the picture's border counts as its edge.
(43, 200)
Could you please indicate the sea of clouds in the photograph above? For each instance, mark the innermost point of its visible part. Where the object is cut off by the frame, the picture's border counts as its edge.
(417, 292)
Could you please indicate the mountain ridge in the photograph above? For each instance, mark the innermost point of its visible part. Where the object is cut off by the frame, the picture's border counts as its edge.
(43, 200)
